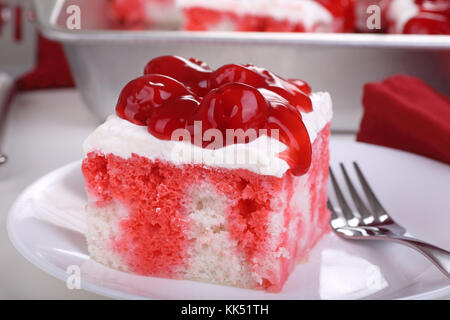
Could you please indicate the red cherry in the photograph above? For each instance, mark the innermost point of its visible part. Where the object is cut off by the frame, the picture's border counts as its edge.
(262, 78)
(302, 85)
(236, 73)
(141, 96)
(234, 106)
(192, 73)
(296, 97)
(292, 132)
(200, 63)
(178, 113)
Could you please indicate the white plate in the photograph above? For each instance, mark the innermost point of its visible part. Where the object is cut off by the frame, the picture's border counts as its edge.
(46, 225)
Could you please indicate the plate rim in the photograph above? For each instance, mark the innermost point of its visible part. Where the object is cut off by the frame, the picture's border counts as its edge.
(48, 267)
(58, 273)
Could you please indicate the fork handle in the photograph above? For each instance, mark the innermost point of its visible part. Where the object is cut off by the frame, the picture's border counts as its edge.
(439, 257)
(6, 93)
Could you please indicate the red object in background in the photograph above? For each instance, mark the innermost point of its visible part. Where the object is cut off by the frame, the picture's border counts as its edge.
(403, 112)
(52, 69)
(434, 18)
(204, 19)
(129, 14)
(197, 18)
(343, 11)
(428, 23)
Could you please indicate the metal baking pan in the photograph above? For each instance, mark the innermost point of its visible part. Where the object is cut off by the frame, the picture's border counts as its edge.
(103, 60)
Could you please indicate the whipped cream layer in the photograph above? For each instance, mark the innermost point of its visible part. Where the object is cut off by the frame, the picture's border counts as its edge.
(123, 138)
(309, 12)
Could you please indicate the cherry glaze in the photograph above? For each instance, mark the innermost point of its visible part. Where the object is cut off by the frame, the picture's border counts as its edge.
(175, 92)
(178, 113)
(234, 106)
(302, 85)
(193, 73)
(141, 96)
(262, 78)
(285, 119)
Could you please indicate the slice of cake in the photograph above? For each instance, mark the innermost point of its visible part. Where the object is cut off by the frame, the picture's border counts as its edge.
(268, 15)
(209, 175)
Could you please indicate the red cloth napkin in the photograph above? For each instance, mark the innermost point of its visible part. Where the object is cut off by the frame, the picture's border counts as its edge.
(403, 112)
(52, 69)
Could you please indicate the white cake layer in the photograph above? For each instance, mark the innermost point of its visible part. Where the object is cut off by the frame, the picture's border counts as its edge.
(309, 12)
(123, 138)
(213, 255)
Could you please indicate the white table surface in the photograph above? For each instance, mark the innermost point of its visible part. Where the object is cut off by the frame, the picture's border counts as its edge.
(45, 130)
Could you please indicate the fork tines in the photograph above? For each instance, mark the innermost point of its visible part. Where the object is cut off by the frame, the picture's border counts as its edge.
(376, 211)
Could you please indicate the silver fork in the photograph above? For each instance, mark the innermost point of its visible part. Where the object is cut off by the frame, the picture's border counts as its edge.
(16, 56)
(375, 223)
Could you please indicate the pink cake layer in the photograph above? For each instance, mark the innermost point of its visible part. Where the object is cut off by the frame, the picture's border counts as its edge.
(232, 227)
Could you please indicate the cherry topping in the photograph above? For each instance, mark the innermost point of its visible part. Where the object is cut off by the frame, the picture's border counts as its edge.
(302, 85)
(176, 92)
(234, 106)
(262, 78)
(141, 96)
(292, 132)
(192, 73)
(178, 113)
(200, 63)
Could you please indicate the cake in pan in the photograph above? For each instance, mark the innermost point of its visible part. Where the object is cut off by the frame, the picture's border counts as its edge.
(269, 15)
(395, 16)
